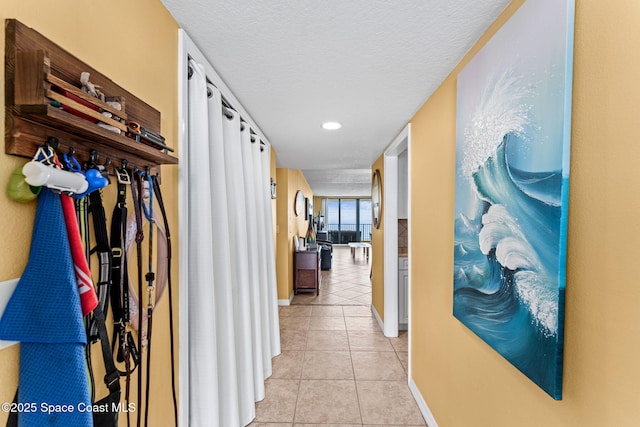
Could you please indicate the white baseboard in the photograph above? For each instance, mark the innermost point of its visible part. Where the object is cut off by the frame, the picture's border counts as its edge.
(377, 316)
(422, 405)
(286, 301)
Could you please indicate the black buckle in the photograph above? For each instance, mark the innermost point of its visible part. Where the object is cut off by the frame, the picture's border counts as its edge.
(112, 380)
(116, 253)
(123, 176)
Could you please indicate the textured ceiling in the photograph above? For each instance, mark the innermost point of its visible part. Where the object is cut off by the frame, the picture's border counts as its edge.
(341, 182)
(369, 64)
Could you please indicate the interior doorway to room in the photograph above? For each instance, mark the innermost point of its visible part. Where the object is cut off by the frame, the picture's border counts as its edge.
(397, 293)
(403, 240)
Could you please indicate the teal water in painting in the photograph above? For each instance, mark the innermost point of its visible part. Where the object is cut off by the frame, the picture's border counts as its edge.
(507, 268)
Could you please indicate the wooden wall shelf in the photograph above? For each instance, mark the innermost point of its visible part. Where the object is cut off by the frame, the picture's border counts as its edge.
(38, 74)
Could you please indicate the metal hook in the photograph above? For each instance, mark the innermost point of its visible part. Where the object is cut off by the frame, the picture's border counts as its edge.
(122, 174)
(93, 157)
(45, 154)
(52, 143)
(70, 162)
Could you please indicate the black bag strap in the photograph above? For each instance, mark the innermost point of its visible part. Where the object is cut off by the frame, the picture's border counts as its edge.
(103, 250)
(117, 252)
(12, 421)
(108, 418)
(119, 276)
(112, 376)
(122, 336)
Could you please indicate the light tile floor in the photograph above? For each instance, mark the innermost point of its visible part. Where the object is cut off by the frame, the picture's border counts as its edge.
(336, 367)
(347, 283)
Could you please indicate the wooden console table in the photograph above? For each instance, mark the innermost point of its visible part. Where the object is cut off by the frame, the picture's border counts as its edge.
(306, 271)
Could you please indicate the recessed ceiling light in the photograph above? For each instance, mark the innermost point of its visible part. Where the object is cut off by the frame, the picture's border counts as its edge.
(331, 125)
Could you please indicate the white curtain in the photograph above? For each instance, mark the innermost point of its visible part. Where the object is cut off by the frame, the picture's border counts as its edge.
(267, 265)
(239, 251)
(254, 261)
(264, 163)
(203, 346)
(261, 266)
(233, 324)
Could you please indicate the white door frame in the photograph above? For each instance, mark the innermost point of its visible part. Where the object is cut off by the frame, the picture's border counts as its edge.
(390, 229)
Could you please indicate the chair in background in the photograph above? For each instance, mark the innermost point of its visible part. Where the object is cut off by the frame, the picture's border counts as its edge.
(326, 249)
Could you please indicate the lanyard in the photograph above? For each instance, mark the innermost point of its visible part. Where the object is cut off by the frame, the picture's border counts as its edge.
(149, 277)
(136, 193)
(156, 189)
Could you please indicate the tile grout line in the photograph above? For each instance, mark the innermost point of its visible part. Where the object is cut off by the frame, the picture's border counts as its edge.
(295, 410)
(304, 355)
(353, 370)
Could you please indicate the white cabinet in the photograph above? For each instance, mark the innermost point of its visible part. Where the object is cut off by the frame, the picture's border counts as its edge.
(403, 292)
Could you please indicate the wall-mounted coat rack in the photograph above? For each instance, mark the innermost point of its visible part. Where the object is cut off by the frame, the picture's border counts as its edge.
(43, 99)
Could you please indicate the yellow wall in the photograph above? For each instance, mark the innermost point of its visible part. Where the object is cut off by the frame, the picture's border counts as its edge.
(283, 205)
(317, 205)
(289, 225)
(465, 382)
(377, 250)
(106, 35)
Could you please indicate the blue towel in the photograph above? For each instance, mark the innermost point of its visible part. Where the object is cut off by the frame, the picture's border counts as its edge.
(44, 314)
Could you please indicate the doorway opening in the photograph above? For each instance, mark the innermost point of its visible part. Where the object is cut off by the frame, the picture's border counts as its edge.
(394, 198)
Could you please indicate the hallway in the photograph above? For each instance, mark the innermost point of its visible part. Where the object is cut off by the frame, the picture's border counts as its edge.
(336, 366)
(347, 283)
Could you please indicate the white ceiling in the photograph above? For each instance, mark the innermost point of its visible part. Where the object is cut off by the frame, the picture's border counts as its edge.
(340, 182)
(369, 64)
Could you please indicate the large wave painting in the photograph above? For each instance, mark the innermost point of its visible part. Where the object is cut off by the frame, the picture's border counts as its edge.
(512, 180)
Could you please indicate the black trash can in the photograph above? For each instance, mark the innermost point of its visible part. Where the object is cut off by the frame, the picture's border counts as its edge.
(325, 258)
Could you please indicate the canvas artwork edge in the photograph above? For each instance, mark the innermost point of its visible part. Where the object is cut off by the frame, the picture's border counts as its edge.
(512, 171)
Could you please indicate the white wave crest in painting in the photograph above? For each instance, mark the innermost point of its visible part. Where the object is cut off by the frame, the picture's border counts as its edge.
(501, 231)
(503, 108)
(469, 226)
(540, 299)
(462, 250)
